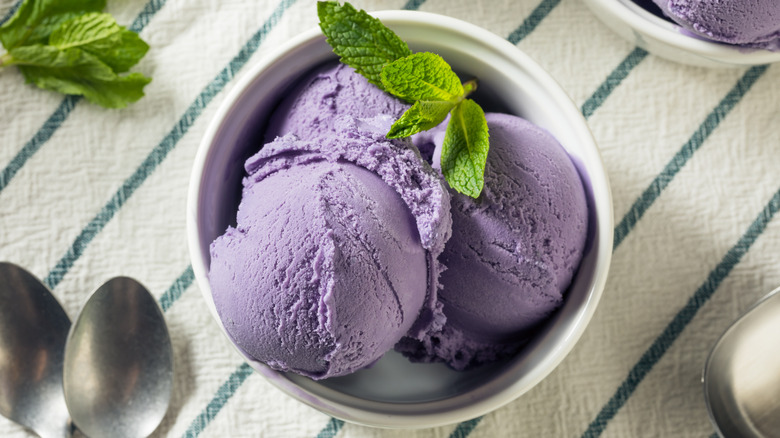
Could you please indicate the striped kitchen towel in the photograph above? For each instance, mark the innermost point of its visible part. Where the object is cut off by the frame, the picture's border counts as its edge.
(88, 193)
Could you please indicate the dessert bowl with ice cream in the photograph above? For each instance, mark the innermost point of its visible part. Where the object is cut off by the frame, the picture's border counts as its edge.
(708, 33)
(345, 269)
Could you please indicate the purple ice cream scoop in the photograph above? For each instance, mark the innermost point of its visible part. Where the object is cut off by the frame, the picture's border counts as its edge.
(513, 251)
(750, 23)
(330, 91)
(334, 255)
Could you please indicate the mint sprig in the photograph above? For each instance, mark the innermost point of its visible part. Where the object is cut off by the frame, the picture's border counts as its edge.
(463, 154)
(422, 116)
(99, 35)
(425, 80)
(362, 41)
(34, 21)
(422, 76)
(428, 81)
(71, 47)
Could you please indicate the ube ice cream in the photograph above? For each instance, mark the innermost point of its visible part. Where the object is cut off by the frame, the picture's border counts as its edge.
(332, 90)
(339, 247)
(333, 258)
(513, 251)
(750, 23)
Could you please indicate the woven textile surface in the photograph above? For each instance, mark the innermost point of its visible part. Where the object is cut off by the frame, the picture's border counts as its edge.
(692, 155)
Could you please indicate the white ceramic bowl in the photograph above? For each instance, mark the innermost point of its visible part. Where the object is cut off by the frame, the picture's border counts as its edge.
(394, 392)
(667, 40)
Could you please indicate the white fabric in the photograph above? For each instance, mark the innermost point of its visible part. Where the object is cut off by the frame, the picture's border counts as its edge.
(683, 236)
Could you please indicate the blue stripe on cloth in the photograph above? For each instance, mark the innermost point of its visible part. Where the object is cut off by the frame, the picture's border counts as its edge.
(588, 108)
(673, 330)
(42, 136)
(326, 432)
(333, 427)
(220, 398)
(413, 4)
(613, 80)
(649, 196)
(177, 289)
(10, 12)
(526, 27)
(464, 429)
(66, 106)
(160, 152)
(146, 14)
(666, 176)
(532, 21)
(138, 24)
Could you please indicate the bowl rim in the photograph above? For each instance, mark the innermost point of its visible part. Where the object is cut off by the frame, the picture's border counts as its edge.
(669, 33)
(602, 205)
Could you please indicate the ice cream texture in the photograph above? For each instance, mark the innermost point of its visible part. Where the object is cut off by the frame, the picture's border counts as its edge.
(338, 253)
(513, 251)
(750, 23)
(329, 92)
(334, 254)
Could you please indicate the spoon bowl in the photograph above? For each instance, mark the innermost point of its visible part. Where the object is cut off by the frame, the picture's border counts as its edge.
(118, 369)
(33, 331)
(742, 374)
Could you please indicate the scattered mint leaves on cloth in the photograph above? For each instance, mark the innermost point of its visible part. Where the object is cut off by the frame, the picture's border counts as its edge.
(71, 47)
(423, 79)
(34, 21)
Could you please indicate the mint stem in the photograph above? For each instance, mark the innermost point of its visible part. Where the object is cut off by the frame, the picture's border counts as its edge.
(6, 58)
(469, 87)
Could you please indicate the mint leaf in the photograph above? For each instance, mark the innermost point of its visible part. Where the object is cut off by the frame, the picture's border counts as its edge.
(465, 148)
(422, 76)
(422, 116)
(427, 79)
(360, 40)
(74, 71)
(424, 79)
(99, 35)
(70, 47)
(35, 20)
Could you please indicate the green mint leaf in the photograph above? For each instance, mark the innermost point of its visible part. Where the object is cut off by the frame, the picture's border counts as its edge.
(360, 40)
(425, 79)
(99, 35)
(74, 71)
(422, 76)
(465, 148)
(35, 20)
(422, 116)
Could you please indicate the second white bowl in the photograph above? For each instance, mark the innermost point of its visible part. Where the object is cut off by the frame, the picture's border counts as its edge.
(668, 40)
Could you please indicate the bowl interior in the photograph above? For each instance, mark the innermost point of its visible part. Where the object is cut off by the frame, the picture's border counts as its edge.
(395, 392)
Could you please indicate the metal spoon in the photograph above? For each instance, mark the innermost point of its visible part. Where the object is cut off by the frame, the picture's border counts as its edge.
(118, 369)
(742, 374)
(33, 330)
